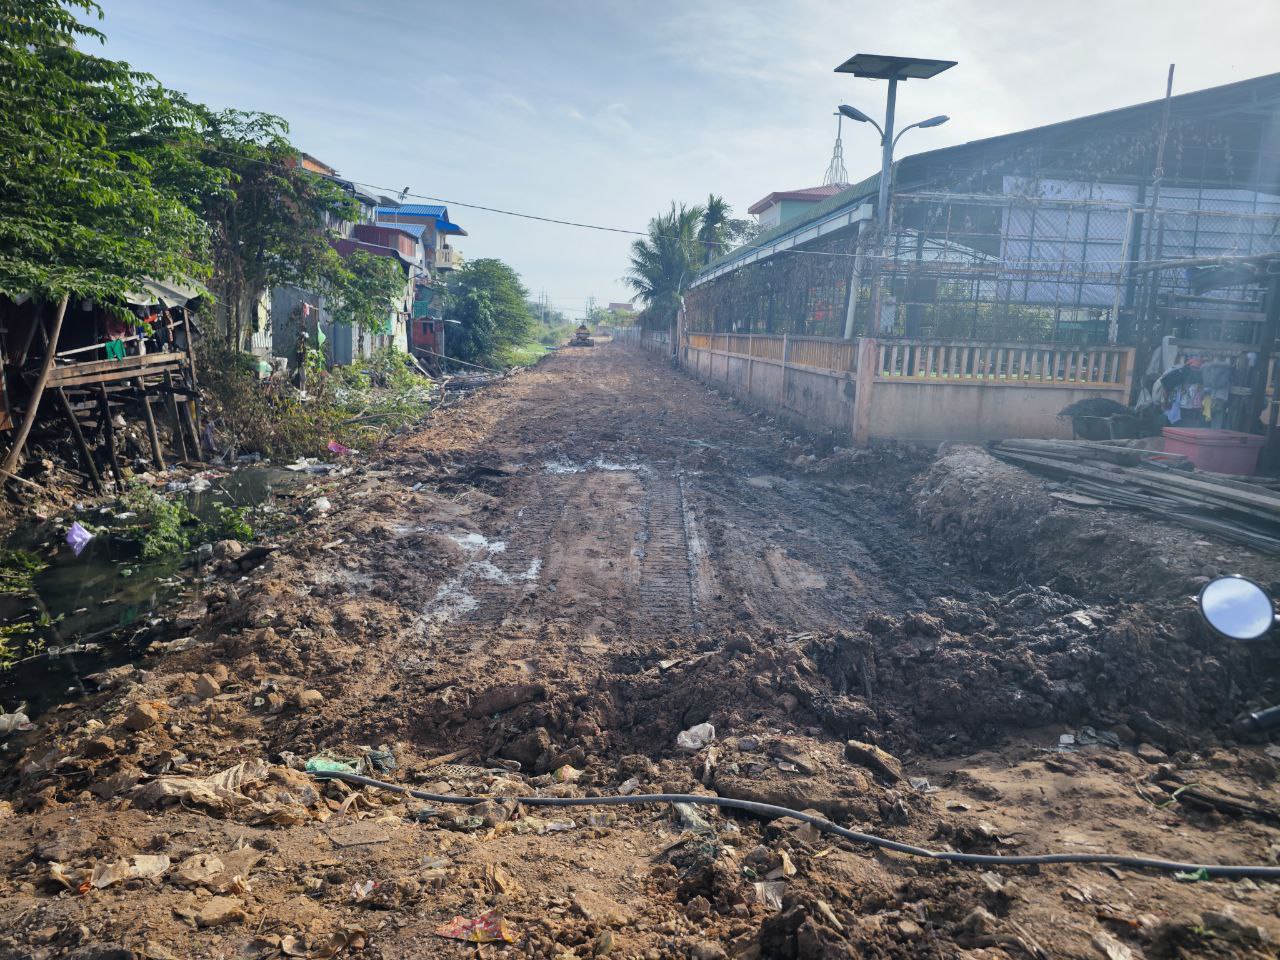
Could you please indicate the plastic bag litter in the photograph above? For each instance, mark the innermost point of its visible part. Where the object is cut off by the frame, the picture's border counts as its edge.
(78, 538)
(769, 893)
(323, 764)
(219, 792)
(141, 867)
(695, 738)
(340, 449)
(11, 722)
(489, 927)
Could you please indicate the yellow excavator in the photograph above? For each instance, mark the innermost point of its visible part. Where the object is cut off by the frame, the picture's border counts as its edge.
(582, 337)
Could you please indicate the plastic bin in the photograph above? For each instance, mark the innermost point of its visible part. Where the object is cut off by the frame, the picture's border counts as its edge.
(1222, 451)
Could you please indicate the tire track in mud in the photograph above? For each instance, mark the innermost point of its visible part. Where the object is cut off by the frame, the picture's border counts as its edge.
(637, 514)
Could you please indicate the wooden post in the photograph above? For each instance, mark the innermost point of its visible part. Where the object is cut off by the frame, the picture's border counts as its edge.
(179, 440)
(33, 405)
(193, 405)
(868, 361)
(751, 360)
(109, 434)
(156, 456)
(90, 467)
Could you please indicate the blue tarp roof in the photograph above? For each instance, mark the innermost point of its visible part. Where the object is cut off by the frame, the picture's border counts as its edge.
(415, 210)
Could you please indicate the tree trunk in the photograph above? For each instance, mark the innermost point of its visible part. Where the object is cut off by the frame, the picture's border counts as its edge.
(33, 405)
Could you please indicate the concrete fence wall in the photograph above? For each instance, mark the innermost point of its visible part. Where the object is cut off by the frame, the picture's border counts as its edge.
(909, 389)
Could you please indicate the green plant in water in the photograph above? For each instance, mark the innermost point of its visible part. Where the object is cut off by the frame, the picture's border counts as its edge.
(232, 523)
(20, 640)
(164, 526)
(18, 569)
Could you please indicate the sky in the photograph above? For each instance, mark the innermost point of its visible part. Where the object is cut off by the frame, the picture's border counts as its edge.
(604, 111)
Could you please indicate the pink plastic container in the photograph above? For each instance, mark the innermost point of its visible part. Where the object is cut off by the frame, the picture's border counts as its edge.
(1222, 451)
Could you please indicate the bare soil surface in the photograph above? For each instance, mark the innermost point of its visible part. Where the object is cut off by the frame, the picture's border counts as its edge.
(539, 590)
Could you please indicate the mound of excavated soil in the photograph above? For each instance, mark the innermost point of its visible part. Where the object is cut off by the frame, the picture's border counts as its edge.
(1004, 520)
(597, 556)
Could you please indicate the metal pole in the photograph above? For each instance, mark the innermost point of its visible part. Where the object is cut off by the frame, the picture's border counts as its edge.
(881, 244)
(886, 154)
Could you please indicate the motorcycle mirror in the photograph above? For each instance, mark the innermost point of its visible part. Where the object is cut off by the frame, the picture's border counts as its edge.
(1237, 608)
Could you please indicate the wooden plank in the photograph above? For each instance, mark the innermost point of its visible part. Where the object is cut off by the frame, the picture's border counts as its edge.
(114, 376)
(131, 363)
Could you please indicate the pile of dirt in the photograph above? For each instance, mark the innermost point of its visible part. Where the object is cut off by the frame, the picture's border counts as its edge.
(551, 597)
(1007, 522)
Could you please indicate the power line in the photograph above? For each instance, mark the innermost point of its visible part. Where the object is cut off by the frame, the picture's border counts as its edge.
(1081, 265)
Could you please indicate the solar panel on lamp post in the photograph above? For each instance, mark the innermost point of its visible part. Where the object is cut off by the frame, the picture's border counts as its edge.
(894, 69)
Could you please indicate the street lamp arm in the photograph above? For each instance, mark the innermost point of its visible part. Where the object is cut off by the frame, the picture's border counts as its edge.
(930, 122)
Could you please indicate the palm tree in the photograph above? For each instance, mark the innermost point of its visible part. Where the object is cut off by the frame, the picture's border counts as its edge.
(716, 230)
(666, 261)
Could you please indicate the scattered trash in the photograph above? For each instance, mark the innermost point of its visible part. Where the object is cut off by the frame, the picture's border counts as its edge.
(323, 764)
(1192, 876)
(141, 867)
(489, 927)
(78, 538)
(11, 722)
(1087, 737)
(769, 893)
(695, 738)
(361, 890)
(340, 449)
(922, 785)
(322, 505)
(691, 819)
(629, 786)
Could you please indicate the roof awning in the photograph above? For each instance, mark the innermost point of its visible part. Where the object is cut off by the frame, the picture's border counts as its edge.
(166, 293)
(446, 226)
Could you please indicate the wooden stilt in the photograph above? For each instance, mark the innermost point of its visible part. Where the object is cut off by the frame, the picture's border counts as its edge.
(179, 437)
(156, 456)
(37, 390)
(109, 434)
(86, 455)
(194, 404)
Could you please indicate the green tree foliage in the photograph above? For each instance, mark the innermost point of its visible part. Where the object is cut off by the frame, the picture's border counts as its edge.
(680, 243)
(81, 142)
(361, 289)
(491, 305)
(270, 219)
(665, 262)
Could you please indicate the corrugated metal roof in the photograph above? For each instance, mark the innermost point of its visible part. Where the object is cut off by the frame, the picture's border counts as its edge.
(413, 210)
(415, 230)
(1252, 91)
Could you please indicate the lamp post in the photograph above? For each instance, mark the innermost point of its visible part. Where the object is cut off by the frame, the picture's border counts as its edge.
(894, 69)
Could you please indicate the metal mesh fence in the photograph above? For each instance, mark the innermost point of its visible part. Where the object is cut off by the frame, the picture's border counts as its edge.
(1043, 261)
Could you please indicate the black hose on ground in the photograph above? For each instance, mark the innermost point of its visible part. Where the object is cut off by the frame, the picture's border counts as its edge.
(770, 811)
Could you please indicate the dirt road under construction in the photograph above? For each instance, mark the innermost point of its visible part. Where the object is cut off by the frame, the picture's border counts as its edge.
(542, 589)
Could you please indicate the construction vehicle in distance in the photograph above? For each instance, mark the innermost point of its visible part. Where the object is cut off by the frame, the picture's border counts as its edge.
(582, 337)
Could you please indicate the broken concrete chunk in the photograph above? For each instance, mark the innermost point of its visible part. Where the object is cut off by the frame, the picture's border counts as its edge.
(878, 761)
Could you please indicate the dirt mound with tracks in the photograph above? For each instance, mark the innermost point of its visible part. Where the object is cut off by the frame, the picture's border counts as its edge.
(539, 594)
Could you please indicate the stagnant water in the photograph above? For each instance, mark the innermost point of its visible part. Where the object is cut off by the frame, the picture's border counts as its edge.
(104, 607)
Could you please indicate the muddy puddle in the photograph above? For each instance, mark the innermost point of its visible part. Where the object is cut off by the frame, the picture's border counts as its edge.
(82, 613)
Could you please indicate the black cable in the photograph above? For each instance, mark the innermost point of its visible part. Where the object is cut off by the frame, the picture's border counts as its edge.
(773, 812)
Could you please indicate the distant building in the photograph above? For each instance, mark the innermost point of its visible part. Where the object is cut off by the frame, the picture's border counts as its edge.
(431, 221)
(783, 205)
(627, 309)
